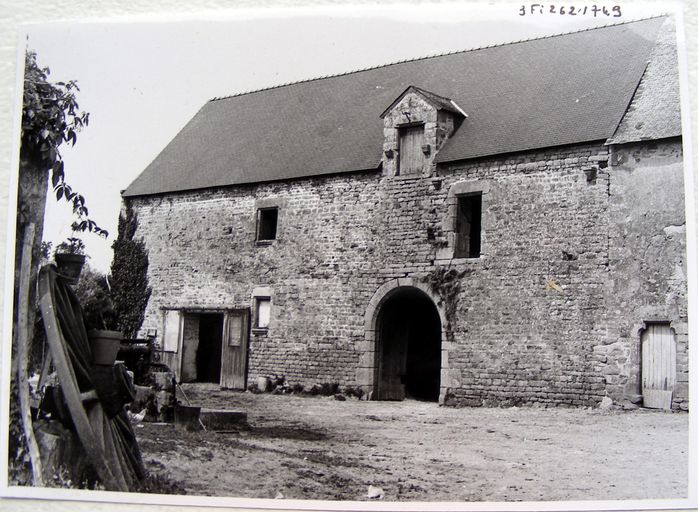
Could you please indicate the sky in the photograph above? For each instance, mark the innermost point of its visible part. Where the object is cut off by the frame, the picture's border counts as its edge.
(143, 79)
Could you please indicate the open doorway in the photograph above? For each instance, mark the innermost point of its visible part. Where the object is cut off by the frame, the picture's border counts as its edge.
(208, 356)
(202, 342)
(208, 345)
(408, 347)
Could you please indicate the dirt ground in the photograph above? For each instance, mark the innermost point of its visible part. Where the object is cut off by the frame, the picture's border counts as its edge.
(321, 448)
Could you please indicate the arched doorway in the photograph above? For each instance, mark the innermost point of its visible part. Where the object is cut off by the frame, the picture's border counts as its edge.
(408, 347)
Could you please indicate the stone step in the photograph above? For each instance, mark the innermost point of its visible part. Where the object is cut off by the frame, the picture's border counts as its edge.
(218, 419)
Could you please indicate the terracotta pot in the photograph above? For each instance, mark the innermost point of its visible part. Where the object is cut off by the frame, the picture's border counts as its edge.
(105, 345)
(69, 266)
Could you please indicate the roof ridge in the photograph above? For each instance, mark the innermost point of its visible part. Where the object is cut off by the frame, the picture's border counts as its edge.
(426, 57)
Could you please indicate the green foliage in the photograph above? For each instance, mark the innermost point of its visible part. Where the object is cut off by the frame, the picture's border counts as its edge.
(129, 276)
(93, 293)
(350, 391)
(446, 283)
(72, 245)
(19, 463)
(325, 389)
(50, 117)
(155, 483)
(46, 250)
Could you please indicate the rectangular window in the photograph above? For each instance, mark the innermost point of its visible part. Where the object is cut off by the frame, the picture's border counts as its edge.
(267, 219)
(411, 159)
(262, 312)
(468, 226)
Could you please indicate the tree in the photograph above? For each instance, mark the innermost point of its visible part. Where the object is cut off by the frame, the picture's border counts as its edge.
(50, 118)
(129, 275)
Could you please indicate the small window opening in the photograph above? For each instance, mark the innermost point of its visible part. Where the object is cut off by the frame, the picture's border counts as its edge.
(468, 226)
(267, 219)
(411, 158)
(262, 312)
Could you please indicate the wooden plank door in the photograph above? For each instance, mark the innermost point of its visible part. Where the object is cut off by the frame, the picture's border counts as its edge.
(411, 156)
(234, 350)
(173, 330)
(393, 361)
(658, 366)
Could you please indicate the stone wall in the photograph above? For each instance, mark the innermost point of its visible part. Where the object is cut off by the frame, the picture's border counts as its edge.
(647, 262)
(203, 254)
(528, 322)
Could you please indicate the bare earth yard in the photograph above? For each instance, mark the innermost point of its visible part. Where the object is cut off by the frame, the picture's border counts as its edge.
(321, 448)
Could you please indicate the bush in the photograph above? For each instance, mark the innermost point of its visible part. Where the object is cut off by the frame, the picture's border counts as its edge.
(352, 391)
(92, 291)
(329, 389)
(158, 484)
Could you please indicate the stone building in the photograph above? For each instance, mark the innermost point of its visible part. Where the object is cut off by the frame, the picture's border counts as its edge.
(496, 226)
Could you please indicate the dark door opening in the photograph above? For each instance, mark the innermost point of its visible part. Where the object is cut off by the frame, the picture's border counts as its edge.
(409, 347)
(208, 353)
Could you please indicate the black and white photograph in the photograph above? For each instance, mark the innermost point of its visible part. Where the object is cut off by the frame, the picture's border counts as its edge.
(352, 258)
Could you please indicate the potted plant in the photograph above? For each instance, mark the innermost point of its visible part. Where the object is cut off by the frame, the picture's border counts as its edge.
(70, 258)
(100, 319)
(104, 345)
(105, 340)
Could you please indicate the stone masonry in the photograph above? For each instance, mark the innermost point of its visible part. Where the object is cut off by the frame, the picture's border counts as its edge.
(581, 245)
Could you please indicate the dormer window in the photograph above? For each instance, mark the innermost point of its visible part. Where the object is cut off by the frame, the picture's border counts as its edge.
(416, 126)
(411, 140)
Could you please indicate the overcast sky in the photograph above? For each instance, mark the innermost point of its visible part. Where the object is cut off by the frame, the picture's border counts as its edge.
(141, 81)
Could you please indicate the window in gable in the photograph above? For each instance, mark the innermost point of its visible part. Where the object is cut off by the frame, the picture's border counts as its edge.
(468, 226)
(411, 159)
(267, 219)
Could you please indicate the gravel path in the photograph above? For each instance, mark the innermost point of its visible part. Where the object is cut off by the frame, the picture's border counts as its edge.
(321, 448)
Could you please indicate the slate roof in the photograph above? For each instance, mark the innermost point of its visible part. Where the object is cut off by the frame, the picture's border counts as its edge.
(655, 111)
(539, 93)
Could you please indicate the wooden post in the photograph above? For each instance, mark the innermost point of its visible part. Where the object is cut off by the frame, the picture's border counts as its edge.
(23, 338)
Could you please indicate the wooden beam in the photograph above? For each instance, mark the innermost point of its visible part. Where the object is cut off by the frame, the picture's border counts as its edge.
(23, 337)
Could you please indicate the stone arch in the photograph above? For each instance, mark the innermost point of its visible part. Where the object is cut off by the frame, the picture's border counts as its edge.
(365, 375)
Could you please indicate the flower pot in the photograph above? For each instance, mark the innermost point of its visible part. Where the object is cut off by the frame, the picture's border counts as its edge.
(70, 266)
(105, 345)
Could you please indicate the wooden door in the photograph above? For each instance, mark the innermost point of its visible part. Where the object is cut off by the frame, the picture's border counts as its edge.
(189, 348)
(172, 336)
(411, 156)
(234, 350)
(393, 360)
(658, 366)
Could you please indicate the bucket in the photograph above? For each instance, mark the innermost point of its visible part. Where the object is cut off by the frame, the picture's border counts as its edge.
(187, 417)
(105, 346)
(263, 384)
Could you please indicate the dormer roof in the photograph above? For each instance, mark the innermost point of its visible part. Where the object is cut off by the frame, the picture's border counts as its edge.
(439, 102)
